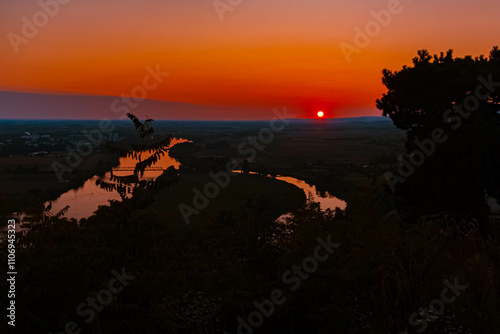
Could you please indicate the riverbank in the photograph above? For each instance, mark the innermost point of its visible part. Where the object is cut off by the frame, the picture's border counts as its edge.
(243, 194)
(28, 180)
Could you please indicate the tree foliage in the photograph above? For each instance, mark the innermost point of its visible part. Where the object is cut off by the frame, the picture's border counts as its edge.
(417, 96)
(461, 98)
(155, 150)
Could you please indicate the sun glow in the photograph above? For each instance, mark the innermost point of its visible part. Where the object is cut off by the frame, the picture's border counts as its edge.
(321, 114)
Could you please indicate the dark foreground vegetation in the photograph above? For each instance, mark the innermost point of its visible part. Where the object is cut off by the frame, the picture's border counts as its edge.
(200, 278)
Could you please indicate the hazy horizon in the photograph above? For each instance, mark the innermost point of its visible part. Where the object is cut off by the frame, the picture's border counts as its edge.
(42, 106)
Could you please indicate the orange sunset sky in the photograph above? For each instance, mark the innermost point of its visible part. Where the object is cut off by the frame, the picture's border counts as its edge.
(264, 54)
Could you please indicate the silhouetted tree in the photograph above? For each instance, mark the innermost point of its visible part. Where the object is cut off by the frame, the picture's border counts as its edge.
(132, 183)
(456, 100)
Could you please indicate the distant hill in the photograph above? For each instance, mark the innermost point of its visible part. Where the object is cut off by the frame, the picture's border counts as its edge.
(16, 105)
(51, 106)
(361, 119)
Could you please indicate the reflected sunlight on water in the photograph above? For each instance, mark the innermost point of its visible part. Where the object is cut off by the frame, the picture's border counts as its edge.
(326, 200)
(86, 199)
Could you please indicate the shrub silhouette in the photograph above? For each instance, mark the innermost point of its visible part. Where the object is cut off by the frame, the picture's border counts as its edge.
(132, 183)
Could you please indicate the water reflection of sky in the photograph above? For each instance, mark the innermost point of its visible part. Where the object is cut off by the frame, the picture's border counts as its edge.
(326, 202)
(85, 200)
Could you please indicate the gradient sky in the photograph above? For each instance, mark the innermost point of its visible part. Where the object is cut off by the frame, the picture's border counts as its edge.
(264, 54)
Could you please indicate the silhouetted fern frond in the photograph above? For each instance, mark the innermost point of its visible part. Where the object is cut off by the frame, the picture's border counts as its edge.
(62, 212)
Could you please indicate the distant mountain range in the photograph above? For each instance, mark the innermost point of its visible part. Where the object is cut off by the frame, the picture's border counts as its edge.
(16, 105)
(360, 119)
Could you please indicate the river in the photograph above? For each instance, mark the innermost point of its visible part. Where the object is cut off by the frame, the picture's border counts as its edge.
(86, 199)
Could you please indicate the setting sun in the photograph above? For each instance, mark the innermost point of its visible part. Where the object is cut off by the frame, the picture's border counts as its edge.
(321, 114)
